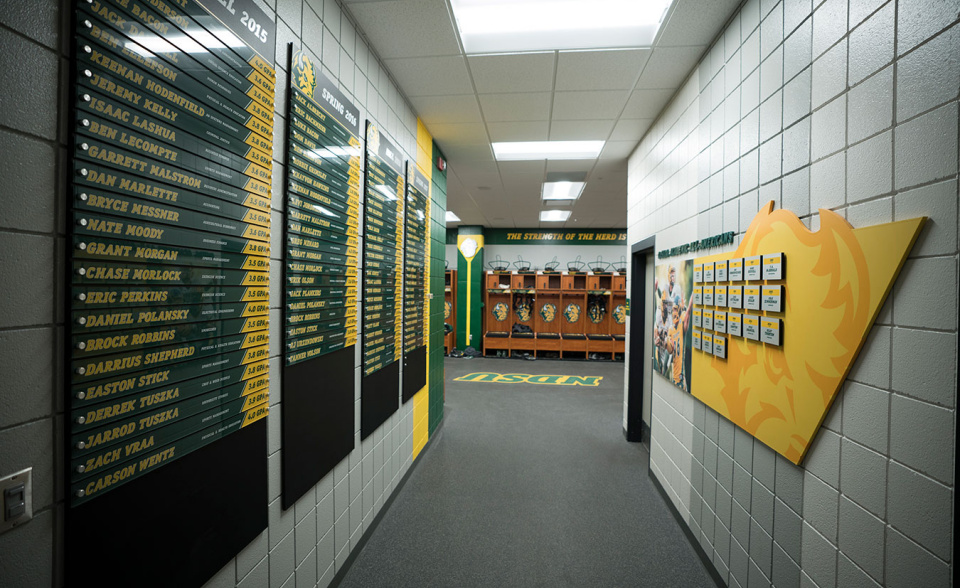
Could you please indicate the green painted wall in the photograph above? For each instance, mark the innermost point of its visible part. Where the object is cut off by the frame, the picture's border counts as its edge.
(470, 292)
(438, 234)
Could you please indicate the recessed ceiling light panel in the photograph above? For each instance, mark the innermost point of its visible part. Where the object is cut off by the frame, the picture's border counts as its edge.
(450, 217)
(533, 150)
(502, 26)
(554, 216)
(561, 190)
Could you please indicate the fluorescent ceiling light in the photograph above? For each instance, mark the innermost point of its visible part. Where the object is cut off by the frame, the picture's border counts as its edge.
(561, 190)
(530, 150)
(451, 217)
(500, 26)
(554, 216)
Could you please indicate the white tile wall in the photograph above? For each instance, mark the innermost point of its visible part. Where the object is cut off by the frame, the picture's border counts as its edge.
(849, 105)
(307, 544)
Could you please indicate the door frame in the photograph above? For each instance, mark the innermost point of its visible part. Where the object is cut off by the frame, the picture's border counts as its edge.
(636, 430)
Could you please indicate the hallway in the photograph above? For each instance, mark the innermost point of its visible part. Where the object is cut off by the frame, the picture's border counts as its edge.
(529, 485)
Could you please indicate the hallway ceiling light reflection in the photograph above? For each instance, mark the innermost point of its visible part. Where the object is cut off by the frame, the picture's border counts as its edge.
(386, 191)
(554, 216)
(334, 151)
(532, 150)
(503, 26)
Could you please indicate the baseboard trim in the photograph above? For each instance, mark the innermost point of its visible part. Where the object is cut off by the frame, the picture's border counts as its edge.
(644, 434)
(348, 563)
(694, 542)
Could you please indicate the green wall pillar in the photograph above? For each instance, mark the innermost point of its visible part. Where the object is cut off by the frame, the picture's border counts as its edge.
(469, 287)
(438, 248)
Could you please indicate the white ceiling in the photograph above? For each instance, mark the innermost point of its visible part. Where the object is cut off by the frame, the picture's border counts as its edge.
(469, 101)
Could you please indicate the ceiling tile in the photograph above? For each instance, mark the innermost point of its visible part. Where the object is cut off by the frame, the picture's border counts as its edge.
(579, 176)
(580, 130)
(447, 109)
(571, 165)
(512, 171)
(606, 180)
(606, 166)
(474, 181)
(465, 168)
(523, 195)
(668, 67)
(694, 22)
(647, 103)
(618, 149)
(630, 129)
(407, 28)
(516, 107)
(607, 183)
(590, 105)
(449, 133)
(518, 131)
(600, 70)
(514, 100)
(527, 72)
(431, 76)
(461, 203)
(461, 152)
(521, 190)
(490, 201)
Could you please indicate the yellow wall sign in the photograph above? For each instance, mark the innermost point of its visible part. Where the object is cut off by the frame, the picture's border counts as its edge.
(778, 382)
(555, 380)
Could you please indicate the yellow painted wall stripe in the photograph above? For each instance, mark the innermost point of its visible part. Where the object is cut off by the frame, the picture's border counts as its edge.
(421, 400)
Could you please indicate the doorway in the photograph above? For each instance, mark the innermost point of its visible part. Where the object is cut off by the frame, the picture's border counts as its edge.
(640, 343)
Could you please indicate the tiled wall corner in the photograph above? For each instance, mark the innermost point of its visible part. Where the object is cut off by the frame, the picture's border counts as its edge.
(851, 106)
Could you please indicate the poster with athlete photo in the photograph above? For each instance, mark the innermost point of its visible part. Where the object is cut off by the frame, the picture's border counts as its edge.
(672, 338)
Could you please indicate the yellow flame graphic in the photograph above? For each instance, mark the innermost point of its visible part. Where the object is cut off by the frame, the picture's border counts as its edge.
(836, 281)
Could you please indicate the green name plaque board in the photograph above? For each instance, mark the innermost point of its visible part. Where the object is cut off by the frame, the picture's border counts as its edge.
(167, 361)
(321, 255)
(416, 254)
(382, 328)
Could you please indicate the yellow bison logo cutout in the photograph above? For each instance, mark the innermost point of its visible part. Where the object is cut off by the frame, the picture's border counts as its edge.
(548, 312)
(620, 314)
(572, 313)
(305, 74)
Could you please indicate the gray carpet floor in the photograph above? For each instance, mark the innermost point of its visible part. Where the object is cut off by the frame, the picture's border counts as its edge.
(529, 485)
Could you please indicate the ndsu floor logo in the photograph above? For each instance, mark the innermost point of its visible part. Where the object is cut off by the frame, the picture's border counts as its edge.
(551, 380)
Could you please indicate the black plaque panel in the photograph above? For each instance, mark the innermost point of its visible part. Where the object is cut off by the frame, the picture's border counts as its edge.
(378, 398)
(317, 420)
(168, 378)
(320, 283)
(382, 317)
(414, 372)
(415, 283)
(179, 525)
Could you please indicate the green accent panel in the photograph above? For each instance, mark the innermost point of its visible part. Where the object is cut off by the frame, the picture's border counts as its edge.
(470, 286)
(441, 199)
(439, 177)
(438, 211)
(451, 236)
(541, 237)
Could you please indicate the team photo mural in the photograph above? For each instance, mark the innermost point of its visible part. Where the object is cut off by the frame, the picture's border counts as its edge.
(673, 284)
